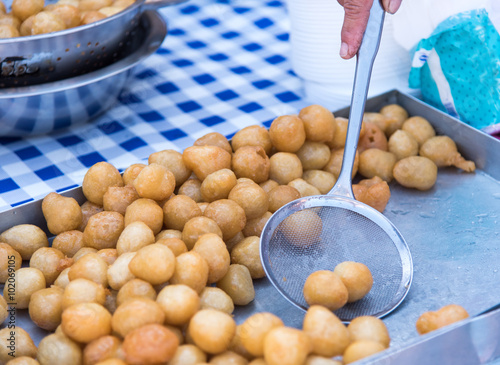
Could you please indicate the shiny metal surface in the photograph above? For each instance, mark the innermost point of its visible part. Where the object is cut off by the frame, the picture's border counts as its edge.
(453, 231)
(42, 108)
(55, 56)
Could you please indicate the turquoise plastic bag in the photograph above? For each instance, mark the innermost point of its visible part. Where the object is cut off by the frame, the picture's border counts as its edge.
(457, 69)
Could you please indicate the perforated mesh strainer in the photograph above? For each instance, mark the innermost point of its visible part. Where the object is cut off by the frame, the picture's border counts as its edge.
(318, 232)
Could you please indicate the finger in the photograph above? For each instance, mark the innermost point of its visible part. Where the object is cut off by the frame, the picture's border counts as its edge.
(356, 17)
(391, 6)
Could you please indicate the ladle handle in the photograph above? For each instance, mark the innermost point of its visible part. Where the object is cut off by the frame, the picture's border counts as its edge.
(364, 64)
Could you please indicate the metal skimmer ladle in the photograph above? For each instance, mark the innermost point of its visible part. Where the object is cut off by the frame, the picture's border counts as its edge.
(318, 232)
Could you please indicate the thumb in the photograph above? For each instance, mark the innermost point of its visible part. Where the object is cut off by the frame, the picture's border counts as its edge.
(356, 17)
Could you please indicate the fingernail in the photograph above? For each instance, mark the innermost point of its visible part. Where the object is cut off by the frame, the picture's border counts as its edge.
(344, 50)
(393, 6)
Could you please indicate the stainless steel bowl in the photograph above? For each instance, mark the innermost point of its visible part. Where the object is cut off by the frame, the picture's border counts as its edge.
(42, 58)
(42, 108)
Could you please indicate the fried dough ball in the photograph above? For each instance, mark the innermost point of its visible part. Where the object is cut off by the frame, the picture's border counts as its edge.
(253, 135)
(228, 215)
(88, 210)
(396, 116)
(268, 185)
(254, 329)
(91, 267)
(23, 360)
(251, 162)
(118, 198)
(82, 252)
(375, 162)
(135, 313)
(154, 263)
(238, 284)
(287, 133)
(356, 277)
(147, 211)
(25, 239)
(179, 303)
(8, 31)
(82, 291)
(329, 336)
(416, 172)
(228, 357)
(247, 253)
(101, 349)
(150, 344)
(217, 185)
(213, 249)
(178, 210)
(93, 4)
(237, 345)
(313, 155)
(47, 22)
(251, 197)
(176, 245)
(133, 237)
(214, 139)
(334, 165)
(302, 228)
(45, 307)
(113, 361)
(85, 322)
(369, 328)
(3, 9)
(321, 180)
(285, 167)
(68, 242)
(254, 227)
(108, 254)
(286, 346)
(303, 187)
(196, 227)
(135, 288)
(402, 144)
(212, 330)
(10, 19)
(119, 272)
(62, 280)
(216, 298)
(432, 320)
(378, 119)
(168, 233)
(8, 258)
(155, 182)
(69, 14)
(3, 309)
(191, 269)
(360, 349)
(419, 128)
(23, 9)
(131, 173)
(50, 261)
(325, 288)
(442, 150)
(338, 140)
(374, 192)
(374, 137)
(58, 349)
(282, 195)
(98, 178)
(17, 340)
(191, 188)
(103, 230)
(203, 160)
(319, 123)
(27, 280)
(188, 355)
(171, 160)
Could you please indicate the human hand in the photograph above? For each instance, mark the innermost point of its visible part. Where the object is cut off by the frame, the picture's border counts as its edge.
(356, 17)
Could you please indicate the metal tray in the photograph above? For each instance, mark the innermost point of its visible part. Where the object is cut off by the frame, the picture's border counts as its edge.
(452, 231)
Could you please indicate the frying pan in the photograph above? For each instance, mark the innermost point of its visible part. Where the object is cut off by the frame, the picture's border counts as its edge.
(72, 52)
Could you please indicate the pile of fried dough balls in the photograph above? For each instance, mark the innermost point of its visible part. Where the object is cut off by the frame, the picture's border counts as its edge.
(32, 17)
(149, 269)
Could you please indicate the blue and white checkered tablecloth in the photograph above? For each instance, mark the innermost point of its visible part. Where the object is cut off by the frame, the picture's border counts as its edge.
(223, 66)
